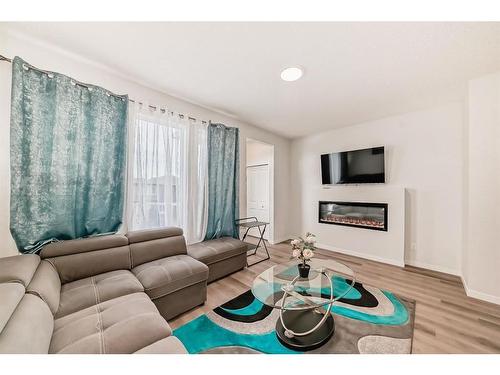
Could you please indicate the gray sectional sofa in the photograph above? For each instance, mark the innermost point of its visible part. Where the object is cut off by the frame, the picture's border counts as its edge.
(108, 294)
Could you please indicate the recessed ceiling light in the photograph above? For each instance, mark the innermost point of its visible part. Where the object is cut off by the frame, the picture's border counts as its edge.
(291, 74)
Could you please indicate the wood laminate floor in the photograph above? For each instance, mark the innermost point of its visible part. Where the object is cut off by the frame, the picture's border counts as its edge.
(446, 321)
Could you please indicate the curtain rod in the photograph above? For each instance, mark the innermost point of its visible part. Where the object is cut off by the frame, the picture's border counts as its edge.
(163, 110)
(3, 58)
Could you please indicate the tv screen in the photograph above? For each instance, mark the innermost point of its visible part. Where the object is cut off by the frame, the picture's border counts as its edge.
(353, 167)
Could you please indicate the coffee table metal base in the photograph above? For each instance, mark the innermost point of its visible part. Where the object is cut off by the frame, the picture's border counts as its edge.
(303, 320)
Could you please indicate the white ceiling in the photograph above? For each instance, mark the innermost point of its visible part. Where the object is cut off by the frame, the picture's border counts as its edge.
(354, 72)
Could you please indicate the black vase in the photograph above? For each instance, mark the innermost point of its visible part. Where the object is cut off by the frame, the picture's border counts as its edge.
(304, 270)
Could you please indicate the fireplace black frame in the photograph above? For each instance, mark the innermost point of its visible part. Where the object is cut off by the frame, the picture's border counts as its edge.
(385, 206)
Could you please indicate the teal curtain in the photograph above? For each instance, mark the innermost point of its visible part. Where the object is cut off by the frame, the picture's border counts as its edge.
(67, 158)
(223, 181)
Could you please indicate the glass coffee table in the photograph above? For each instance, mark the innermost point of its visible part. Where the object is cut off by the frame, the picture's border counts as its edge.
(305, 321)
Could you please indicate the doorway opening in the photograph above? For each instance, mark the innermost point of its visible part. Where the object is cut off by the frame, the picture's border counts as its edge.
(260, 185)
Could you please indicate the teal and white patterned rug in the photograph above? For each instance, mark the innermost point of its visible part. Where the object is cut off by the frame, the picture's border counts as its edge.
(367, 320)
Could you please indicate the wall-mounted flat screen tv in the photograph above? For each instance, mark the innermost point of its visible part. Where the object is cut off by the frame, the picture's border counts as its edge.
(365, 166)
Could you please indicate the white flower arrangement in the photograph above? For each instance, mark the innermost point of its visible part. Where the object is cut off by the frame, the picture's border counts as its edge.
(303, 248)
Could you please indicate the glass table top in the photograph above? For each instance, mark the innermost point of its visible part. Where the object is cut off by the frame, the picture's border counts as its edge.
(328, 281)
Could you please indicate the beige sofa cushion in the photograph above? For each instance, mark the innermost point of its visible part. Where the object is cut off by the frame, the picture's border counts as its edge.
(170, 345)
(18, 268)
(29, 328)
(83, 245)
(46, 285)
(90, 291)
(137, 236)
(121, 325)
(78, 259)
(213, 251)
(154, 244)
(167, 275)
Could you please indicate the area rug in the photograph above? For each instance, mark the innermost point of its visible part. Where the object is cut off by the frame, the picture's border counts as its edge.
(367, 320)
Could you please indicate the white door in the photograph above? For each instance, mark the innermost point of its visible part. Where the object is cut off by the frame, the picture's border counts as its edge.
(258, 196)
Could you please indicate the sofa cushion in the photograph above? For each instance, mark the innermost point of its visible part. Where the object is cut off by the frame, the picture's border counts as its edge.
(170, 345)
(46, 285)
(78, 266)
(83, 245)
(137, 236)
(121, 325)
(29, 328)
(93, 290)
(167, 275)
(154, 244)
(77, 259)
(213, 251)
(18, 268)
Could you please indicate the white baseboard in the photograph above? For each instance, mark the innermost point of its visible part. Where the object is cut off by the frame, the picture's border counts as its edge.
(275, 241)
(361, 255)
(432, 267)
(480, 295)
(470, 293)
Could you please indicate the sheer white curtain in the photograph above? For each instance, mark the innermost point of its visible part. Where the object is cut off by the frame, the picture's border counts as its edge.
(167, 173)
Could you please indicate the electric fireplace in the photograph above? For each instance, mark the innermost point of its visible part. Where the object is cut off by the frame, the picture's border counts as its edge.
(354, 214)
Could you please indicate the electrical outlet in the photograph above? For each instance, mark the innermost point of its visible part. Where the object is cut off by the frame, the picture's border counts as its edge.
(413, 246)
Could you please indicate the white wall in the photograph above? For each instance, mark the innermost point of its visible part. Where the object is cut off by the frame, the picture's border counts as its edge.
(51, 58)
(259, 153)
(387, 247)
(424, 155)
(481, 265)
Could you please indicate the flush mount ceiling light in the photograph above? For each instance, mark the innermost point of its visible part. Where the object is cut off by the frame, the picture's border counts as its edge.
(291, 74)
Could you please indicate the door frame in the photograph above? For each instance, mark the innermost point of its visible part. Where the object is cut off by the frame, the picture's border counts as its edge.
(271, 226)
(264, 167)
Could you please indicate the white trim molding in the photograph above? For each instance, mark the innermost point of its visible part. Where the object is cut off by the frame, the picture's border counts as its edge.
(360, 255)
(432, 267)
(479, 295)
(279, 240)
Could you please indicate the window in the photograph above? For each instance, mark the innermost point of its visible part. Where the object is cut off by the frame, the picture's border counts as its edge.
(167, 173)
(159, 173)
